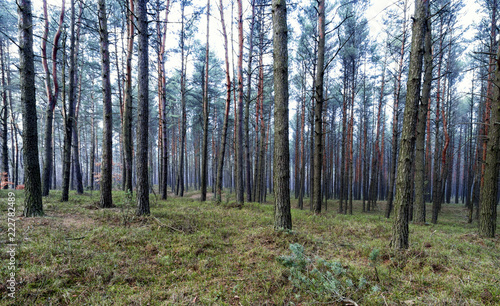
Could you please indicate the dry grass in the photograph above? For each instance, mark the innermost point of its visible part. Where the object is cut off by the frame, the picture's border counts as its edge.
(197, 253)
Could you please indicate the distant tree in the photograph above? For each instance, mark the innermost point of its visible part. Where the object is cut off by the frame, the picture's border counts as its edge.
(4, 115)
(239, 147)
(204, 158)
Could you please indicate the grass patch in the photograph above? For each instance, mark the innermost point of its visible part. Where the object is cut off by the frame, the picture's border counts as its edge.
(188, 252)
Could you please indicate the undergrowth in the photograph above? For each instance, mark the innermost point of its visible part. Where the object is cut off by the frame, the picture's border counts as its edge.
(188, 253)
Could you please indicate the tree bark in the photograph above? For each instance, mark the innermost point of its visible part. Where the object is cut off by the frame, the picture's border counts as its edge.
(69, 118)
(420, 177)
(180, 176)
(52, 95)
(127, 106)
(374, 180)
(318, 110)
(281, 173)
(32, 182)
(142, 110)
(489, 190)
(218, 188)
(204, 158)
(5, 114)
(106, 181)
(240, 197)
(395, 122)
(248, 174)
(404, 186)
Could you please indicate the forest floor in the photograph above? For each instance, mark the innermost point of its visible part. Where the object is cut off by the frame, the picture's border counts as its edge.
(188, 253)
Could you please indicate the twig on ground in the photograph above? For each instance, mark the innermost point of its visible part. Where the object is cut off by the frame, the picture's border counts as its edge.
(163, 224)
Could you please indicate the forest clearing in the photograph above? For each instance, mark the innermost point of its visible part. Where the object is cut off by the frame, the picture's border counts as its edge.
(192, 253)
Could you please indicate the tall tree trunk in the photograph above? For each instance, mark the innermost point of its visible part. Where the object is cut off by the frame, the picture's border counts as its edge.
(489, 91)
(32, 182)
(302, 140)
(142, 110)
(180, 176)
(76, 148)
(420, 161)
(5, 114)
(92, 144)
(127, 105)
(68, 126)
(13, 128)
(318, 110)
(343, 147)
(281, 175)
(458, 167)
(248, 169)
(51, 95)
(204, 160)
(404, 186)
(218, 188)
(75, 144)
(489, 190)
(106, 200)
(395, 122)
(162, 130)
(436, 185)
(374, 181)
(239, 149)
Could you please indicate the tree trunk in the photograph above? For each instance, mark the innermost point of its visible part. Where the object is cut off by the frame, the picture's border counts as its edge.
(374, 180)
(436, 185)
(458, 167)
(248, 174)
(204, 159)
(51, 96)
(218, 188)
(32, 182)
(68, 127)
(180, 176)
(127, 109)
(76, 148)
(302, 142)
(142, 110)
(106, 181)
(5, 113)
(318, 110)
(420, 161)
(489, 190)
(281, 175)
(395, 122)
(239, 149)
(404, 186)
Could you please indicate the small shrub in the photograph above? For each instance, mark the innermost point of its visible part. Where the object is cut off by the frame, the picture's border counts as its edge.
(320, 278)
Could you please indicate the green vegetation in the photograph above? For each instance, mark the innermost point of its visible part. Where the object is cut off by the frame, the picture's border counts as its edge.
(189, 252)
